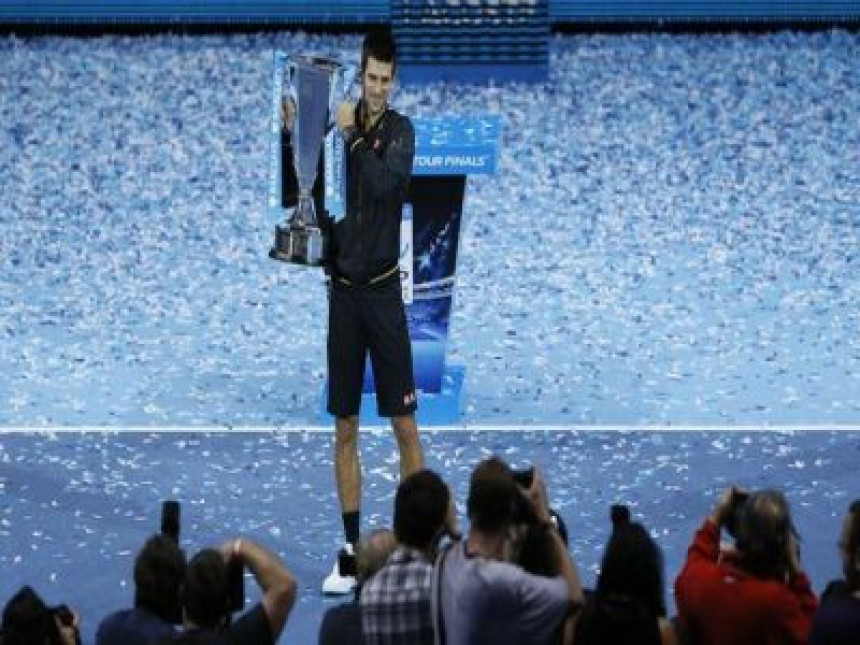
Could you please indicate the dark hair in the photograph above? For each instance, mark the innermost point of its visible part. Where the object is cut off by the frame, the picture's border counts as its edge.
(420, 507)
(204, 591)
(27, 620)
(632, 564)
(764, 530)
(494, 496)
(158, 573)
(852, 547)
(628, 601)
(379, 44)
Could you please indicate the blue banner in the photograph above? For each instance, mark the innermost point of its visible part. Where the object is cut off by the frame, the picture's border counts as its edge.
(456, 145)
(334, 156)
(437, 209)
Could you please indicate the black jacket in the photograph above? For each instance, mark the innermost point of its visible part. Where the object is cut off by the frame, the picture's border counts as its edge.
(366, 242)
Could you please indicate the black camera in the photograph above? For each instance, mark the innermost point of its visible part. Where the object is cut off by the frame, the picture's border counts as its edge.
(535, 554)
(523, 512)
(524, 477)
(235, 584)
(170, 526)
(170, 519)
(736, 504)
(347, 564)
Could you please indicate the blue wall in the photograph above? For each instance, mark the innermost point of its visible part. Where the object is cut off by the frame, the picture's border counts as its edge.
(201, 11)
(359, 11)
(700, 10)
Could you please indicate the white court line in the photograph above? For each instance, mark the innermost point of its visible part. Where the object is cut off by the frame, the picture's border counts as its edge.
(508, 427)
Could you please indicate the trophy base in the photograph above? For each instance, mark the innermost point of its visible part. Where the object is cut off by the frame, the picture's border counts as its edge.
(299, 245)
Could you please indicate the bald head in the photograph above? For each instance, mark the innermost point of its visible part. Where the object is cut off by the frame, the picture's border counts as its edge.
(372, 551)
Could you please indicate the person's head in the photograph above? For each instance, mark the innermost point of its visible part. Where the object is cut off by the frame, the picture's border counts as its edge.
(27, 620)
(632, 565)
(378, 66)
(849, 545)
(494, 497)
(764, 534)
(158, 573)
(372, 551)
(204, 590)
(420, 508)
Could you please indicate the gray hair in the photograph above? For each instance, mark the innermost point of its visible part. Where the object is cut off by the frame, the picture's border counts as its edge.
(764, 534)
(372, 551)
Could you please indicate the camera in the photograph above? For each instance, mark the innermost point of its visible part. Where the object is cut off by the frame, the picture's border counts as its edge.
(347, 564)
(535, 549)
(170, 519)
(235, 585)
(171, 525)
(524, 477)
(736, 504)
(524, 513)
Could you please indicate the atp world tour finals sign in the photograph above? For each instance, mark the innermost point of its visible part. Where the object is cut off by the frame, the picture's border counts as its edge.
(447, 149)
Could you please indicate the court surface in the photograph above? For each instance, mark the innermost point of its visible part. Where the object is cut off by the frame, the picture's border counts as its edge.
(656, 298)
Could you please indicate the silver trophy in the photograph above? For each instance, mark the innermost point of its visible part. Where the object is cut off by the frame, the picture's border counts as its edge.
(316, 85)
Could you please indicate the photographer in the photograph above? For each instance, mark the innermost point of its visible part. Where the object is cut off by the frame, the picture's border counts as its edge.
(206, 598)
(837, 621)
(342, 623)
(479, 594)
(757, 595)
(158, 573)
(627, 606)
(27, 620)
(395, 603)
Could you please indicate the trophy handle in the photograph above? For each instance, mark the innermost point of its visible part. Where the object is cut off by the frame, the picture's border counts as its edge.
(342, 89)
(289, 94)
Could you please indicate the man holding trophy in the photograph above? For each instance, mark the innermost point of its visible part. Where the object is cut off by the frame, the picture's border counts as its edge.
(360, 251)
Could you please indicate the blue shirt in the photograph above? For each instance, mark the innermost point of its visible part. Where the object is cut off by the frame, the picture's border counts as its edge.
(132, 627)
(484, 602)
(837, 622)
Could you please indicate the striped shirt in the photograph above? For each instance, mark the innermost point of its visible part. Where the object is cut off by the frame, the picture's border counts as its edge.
(395, 603)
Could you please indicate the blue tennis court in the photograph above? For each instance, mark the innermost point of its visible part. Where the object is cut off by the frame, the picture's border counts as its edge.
(656, 297)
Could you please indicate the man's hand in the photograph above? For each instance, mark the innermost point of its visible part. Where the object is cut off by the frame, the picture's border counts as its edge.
(288, 113)
(277, 583)
(346, 116)
(536, 494)
(727, 502)
(229, 550)
(563, 565)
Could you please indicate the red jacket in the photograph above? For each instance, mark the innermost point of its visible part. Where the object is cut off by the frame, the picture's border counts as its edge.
(721, 604)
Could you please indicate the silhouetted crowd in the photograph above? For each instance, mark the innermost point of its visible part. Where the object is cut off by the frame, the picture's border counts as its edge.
(510, 579)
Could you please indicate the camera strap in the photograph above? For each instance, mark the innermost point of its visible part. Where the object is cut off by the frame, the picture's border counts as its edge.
(440, 619)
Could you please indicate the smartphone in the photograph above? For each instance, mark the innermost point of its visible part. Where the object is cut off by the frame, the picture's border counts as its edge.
(170, 519)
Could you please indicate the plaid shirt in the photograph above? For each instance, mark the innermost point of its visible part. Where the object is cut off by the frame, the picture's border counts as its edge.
(395, 603)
